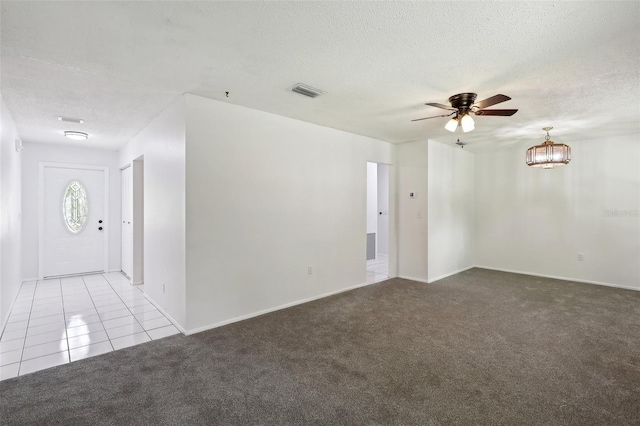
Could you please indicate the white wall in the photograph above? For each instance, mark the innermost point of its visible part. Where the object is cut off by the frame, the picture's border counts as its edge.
(451, 207)
(536, 221)
(162, 143)
(412, 212)
(10, 214)
(267, 196)
(372, 198)
(382, 245)
(33, 154)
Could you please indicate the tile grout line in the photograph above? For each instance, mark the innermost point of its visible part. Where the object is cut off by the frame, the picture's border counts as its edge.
(65, 327)
(24, 342)
(132, 314)
(97, 312)
(64, 319)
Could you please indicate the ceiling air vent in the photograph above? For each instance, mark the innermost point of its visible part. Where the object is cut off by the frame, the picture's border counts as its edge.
(309, 91)
(71, 120)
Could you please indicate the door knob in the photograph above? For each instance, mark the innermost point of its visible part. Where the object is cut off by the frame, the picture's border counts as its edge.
(100, 228)
(100, 221)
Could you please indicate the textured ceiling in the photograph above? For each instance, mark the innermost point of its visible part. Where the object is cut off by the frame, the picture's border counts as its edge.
(571, 65)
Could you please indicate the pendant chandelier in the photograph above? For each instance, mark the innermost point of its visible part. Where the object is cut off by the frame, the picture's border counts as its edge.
(549, 154)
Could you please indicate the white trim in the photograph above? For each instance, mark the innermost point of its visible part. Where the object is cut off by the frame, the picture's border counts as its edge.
(41, 167)
(277, 308)
(420, 280)
(449, 274)
(169, 317)
(5, 321)
(125, 275)
(555, 277)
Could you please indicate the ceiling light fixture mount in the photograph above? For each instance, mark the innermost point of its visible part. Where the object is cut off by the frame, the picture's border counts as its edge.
(461, 144)
(76, 136)
(548, 154)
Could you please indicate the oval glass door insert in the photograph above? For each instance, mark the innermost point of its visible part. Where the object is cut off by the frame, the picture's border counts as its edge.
(75, 207)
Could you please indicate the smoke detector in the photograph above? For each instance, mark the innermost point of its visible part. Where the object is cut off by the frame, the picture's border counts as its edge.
(309, 91)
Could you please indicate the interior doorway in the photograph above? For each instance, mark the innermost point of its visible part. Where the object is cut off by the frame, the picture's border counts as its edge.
(377, 222)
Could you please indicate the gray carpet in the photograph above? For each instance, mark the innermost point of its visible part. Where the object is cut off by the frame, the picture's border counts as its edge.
(481, 347)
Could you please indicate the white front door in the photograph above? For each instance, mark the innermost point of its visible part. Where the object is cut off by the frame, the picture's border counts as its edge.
(73, 221)
(127, 221)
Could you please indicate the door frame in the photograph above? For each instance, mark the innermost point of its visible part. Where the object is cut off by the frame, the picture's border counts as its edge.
(392, 219)
(41, 168)
(137, 205)
(122, 169)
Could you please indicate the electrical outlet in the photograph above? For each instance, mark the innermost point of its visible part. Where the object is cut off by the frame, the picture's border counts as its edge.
(309, 270)
(580, 257)
(164, 287)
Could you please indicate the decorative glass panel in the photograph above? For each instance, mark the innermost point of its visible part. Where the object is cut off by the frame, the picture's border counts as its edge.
(74, 207)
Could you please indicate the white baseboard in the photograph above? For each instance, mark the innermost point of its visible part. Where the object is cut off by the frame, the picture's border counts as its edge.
(5, 320)
(420, 280)
(169, 317)
(449, 274)
(512, 271)
(277, 308)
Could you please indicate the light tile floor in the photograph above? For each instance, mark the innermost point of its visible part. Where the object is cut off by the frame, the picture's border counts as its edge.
(378, 269)
(62, 320)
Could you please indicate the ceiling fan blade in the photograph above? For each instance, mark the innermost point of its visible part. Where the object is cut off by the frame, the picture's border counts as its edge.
(503, 112)
(435, 116)
(496, 99)
(437, 105)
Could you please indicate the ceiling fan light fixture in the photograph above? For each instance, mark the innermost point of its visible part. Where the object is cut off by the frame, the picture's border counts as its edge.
(464, 105)
(467, 123)
(452, 124)
(548, 154)
(76, 136)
